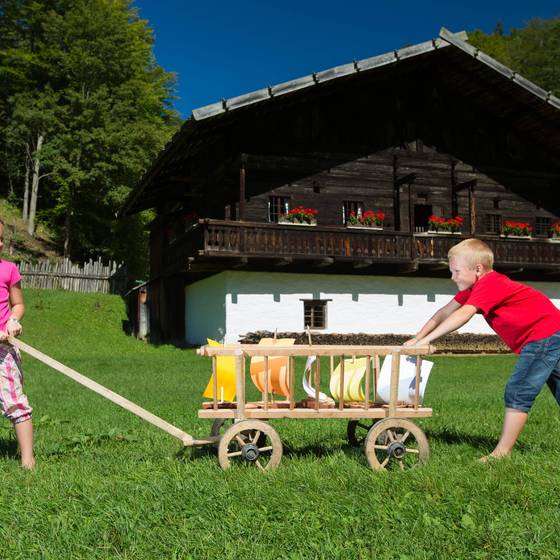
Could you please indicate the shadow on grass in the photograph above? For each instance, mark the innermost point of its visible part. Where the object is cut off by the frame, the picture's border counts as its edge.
(451, 437)
(8, 448)
(317, 450)
(320, 450)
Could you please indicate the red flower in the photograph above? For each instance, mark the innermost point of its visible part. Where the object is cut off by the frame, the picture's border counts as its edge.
(299, 214)
(511, 227)
(367, 218)
(440, 223)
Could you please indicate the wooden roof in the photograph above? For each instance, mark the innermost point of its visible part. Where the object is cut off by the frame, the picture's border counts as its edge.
(469, 72)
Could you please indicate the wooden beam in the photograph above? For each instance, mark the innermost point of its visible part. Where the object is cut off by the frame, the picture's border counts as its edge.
(240, 262)
(440, 265)
(454, 203)
(296, 412)
(472, 210)
(396, 197)
(284, 261)
(315, 350)
(410, 210)
(363, 263)
(242, 191)
(465, 185)
(405, 179)
(407, 268)
(327, 261)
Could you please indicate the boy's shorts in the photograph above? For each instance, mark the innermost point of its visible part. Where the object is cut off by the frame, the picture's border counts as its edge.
(13, 401)
(538, 363)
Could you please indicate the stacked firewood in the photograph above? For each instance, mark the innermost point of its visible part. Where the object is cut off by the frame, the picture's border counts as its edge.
(451, 343)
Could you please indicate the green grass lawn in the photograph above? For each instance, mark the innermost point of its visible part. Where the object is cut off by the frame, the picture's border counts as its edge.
(109, 485)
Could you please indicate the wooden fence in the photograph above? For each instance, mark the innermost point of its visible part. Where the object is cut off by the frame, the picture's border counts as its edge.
(92, 276)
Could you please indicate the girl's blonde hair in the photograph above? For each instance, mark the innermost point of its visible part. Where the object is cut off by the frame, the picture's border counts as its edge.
(474, 252)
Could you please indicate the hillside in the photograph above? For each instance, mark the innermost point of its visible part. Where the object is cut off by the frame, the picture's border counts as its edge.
(18, 244)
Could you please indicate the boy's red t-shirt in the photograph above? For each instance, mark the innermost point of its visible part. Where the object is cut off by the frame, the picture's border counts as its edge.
(518, 314)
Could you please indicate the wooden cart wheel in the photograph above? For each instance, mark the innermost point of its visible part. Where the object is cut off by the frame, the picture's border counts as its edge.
(396, 442)
(357, 431)
(251, 442)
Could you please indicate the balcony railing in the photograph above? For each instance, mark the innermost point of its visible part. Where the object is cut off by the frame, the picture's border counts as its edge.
(217, 238)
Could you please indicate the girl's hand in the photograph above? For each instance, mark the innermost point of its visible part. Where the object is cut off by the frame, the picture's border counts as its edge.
(3, 336)
(13, 327)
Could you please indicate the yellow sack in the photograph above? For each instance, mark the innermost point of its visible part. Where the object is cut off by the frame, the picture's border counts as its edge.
(354, 371)
(225, 370)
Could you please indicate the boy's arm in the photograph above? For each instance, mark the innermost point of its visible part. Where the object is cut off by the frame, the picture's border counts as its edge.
(453, 322)
(438, 317)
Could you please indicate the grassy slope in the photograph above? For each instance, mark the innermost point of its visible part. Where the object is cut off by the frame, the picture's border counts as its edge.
(111, 486)
(18, 244)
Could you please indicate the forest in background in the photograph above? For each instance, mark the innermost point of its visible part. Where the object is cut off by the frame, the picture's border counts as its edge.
(85, 108)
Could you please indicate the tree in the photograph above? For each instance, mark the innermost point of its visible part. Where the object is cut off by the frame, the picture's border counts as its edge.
(533, 51)
(106, 112)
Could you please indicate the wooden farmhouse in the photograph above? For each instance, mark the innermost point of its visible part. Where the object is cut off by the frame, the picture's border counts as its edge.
(437, 129)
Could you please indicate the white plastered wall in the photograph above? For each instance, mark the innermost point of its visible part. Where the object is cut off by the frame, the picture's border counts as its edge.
(371, 304)
(205, 310)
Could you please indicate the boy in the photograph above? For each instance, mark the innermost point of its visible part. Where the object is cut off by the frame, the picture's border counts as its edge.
(524, 318)
(13, 402)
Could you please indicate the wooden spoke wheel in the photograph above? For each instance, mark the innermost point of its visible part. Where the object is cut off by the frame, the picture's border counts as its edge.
(396, 442)
(357, 431)
(250, 442)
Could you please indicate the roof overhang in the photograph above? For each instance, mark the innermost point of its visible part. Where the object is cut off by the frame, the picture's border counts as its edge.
(202, 117)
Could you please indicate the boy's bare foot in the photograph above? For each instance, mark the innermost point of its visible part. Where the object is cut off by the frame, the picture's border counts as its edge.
(28, 464)
(494, 456)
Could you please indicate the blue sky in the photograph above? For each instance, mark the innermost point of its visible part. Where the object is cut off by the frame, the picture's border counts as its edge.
(222, 49)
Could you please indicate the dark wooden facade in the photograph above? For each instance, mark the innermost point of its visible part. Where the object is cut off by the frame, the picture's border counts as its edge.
(436, 133)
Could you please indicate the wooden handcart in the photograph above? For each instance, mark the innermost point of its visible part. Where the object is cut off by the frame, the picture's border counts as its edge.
(389, 436)
(241, 430)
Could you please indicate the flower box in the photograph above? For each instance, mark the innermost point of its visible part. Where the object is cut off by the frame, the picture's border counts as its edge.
(518, 230)
(510, 236)
(285, 222)
(368, 220)
(355, 226)
(299, 216)
(446, 226)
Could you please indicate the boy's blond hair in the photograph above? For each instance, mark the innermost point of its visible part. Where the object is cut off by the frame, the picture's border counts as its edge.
(474, 252)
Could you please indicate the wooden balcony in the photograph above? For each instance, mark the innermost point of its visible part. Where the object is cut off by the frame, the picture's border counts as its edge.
(216, 239)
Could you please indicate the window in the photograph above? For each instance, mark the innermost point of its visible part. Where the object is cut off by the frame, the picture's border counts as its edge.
(422, 213)
(277, 206)
(349, 206)
(315, 313)
(493, 223)
(542, 225)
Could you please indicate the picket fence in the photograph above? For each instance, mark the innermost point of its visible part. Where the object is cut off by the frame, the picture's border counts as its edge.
(92, 276)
